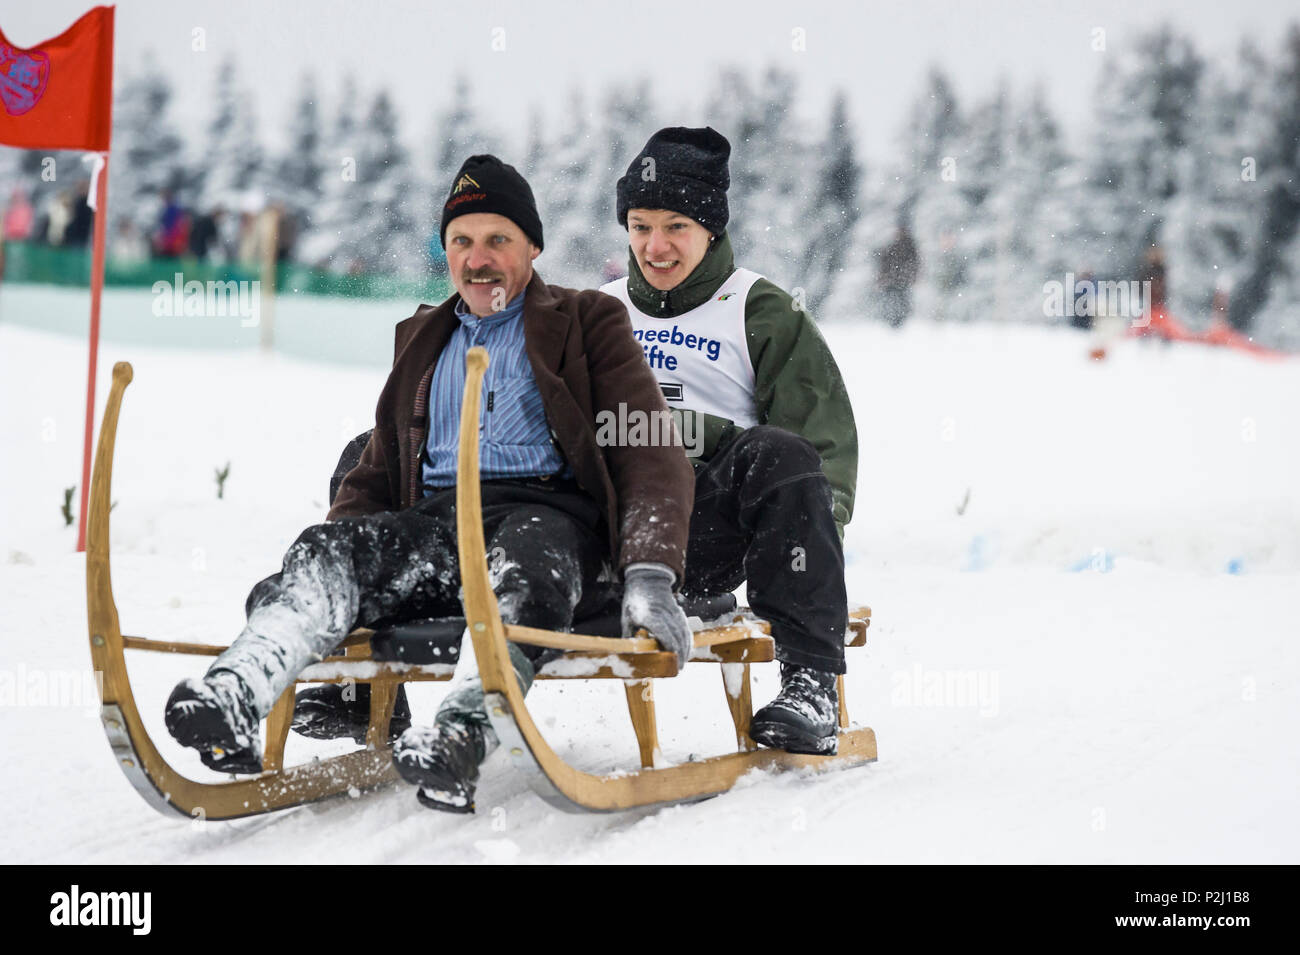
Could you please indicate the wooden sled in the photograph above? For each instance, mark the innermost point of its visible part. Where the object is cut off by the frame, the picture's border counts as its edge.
(734, 643)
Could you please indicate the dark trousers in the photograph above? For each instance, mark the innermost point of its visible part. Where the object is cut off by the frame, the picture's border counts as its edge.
(763, 515)
(546, 560)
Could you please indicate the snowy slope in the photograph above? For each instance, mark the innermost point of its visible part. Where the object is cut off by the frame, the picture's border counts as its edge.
(1095, 661)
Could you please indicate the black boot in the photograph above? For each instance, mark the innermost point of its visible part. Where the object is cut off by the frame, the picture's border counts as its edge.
(326, 712)
(442, 760)
(215, 716)
(804, 716)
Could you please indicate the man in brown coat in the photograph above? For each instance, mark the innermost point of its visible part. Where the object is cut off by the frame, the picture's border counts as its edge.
(565, 514)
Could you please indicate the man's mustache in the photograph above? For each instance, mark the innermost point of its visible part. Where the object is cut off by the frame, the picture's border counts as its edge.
(470, 274)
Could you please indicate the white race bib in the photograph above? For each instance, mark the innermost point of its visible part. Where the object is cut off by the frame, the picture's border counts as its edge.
(701, 357)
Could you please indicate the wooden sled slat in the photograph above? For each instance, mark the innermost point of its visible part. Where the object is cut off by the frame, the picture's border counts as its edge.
(166, 646)
(580, 665)
(577, 641)
(574, 665)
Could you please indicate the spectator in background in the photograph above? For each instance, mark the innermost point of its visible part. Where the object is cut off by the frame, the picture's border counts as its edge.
(172, 236)
(898, 265)
(60, 214)
(40, 234)
(254, 238)
(205, 229)
(19, 218)
(1153, 271)
(245, 248)
(286, 231)
(1158, 320)
(227, 242)
(127, 246)
(1082, 318)
(254, 232)
(82, 223)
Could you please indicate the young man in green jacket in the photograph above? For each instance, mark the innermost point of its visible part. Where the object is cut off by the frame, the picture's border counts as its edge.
(766, 413)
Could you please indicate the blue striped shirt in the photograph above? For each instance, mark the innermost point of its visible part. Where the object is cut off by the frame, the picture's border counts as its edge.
(514, 437)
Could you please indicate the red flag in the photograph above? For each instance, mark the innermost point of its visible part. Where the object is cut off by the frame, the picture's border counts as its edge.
(59, 94)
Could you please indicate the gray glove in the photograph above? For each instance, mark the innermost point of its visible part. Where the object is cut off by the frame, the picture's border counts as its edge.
(648, 602)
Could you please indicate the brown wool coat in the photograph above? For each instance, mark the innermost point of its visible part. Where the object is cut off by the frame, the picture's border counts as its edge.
(585, 360)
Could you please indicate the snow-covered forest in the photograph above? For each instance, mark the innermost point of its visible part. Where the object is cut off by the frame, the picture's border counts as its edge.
(1198, 158)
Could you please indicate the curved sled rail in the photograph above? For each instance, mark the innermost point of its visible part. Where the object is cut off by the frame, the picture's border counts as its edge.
(553, 778)
(153, 777)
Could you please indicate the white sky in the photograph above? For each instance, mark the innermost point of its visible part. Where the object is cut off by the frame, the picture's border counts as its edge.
(877, 51)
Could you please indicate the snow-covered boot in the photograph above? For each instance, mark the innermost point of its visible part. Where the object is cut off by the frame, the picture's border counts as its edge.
(336, 710)
(215, 716)
(804, 716)
(443, 759)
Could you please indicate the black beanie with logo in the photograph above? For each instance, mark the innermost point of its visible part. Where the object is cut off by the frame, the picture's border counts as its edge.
(682, 170)
(486, 184)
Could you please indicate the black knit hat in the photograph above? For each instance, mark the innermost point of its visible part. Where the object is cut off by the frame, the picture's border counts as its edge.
(688, 175)
(486, 184)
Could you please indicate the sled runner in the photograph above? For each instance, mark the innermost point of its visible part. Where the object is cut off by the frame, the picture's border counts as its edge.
(426, 651)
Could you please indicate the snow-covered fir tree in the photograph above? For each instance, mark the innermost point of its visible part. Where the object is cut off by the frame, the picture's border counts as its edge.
(393, 235)
(562, 189)
(534, 145)
(300, 170)
(458, 133)
(334, 231)
(774, 183)
(233, 164)
(147, 153)
(367, 219)
(973, 191)
(734, 111)
(935, 207)
(1037, 207)
(1146, 108)
(1265, 299)
(625, 120)
(833, 214)
(853, 295)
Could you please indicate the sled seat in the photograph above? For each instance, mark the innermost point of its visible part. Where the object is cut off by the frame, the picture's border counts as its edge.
(428, 650)
(438, 639)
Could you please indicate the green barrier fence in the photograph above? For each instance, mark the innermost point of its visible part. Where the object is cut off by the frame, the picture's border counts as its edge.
(29, 263)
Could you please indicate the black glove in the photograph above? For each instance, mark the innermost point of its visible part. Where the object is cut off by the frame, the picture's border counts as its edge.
(648, 602)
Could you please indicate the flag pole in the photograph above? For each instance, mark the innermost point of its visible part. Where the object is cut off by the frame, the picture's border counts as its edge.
(96, 290)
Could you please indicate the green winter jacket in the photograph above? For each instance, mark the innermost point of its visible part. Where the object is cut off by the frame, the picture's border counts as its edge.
(797, 385)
